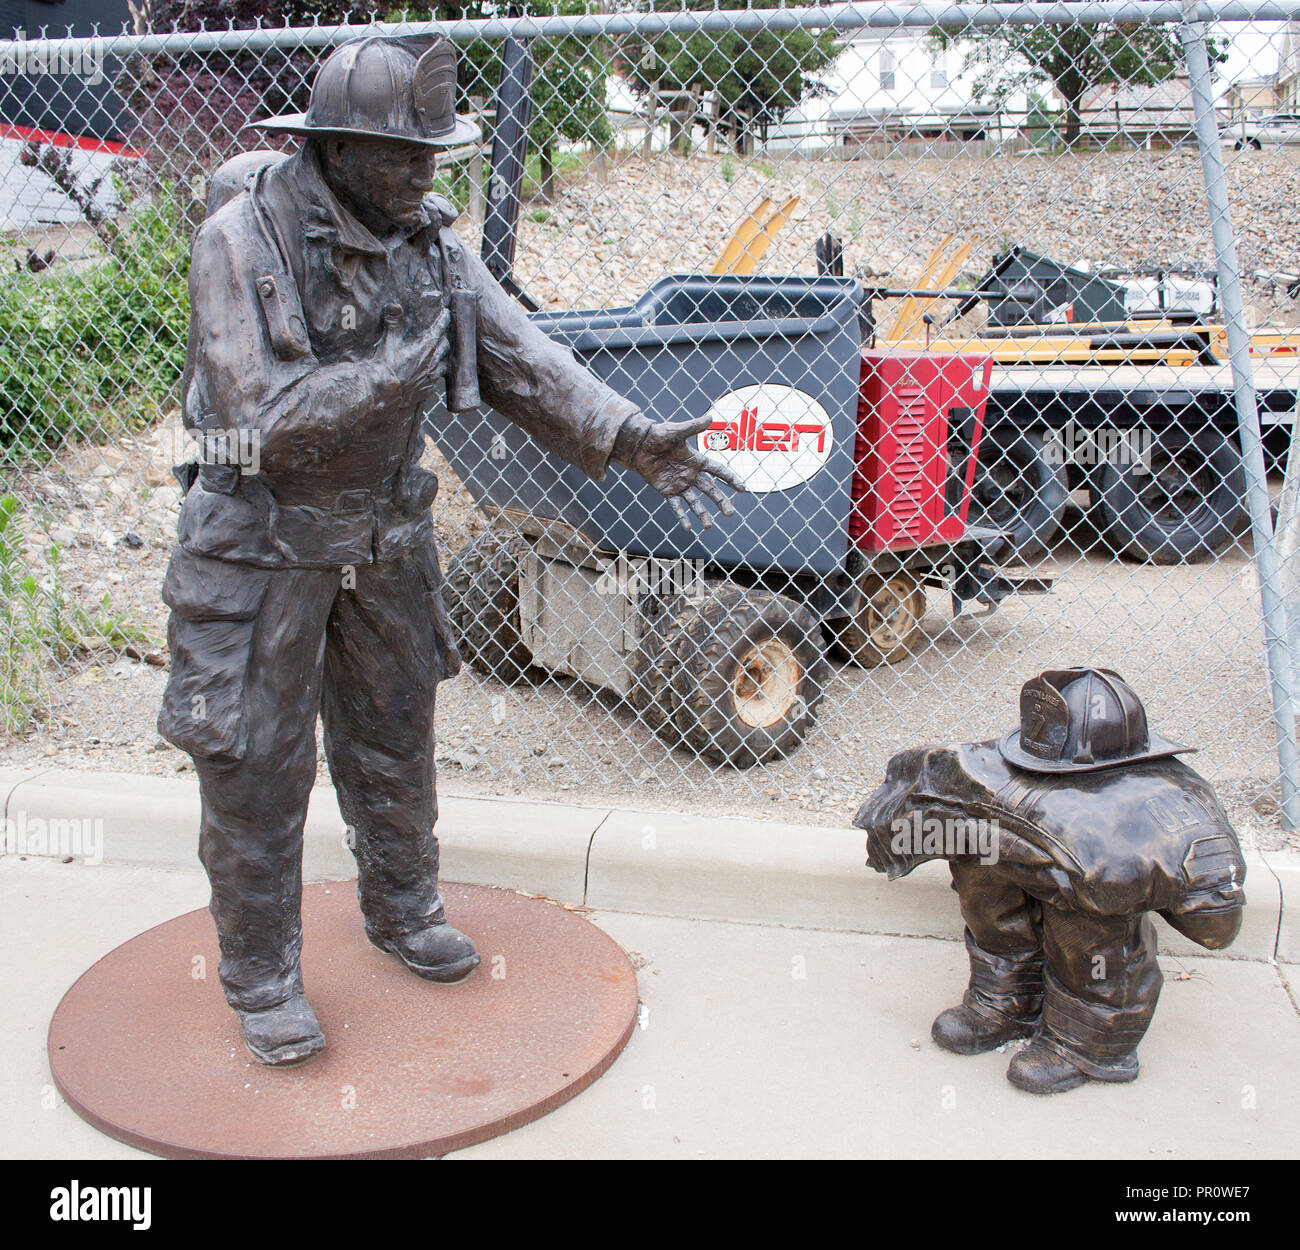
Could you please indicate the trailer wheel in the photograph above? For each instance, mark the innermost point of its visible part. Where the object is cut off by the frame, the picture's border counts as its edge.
(482, 594)
(1177, 499)
(886, 620)
(1020, 488)
(749, 674)
(652, 673)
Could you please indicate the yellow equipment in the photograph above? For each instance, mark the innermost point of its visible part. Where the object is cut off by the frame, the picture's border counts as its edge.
(753, 236)
(1151, 340)
(908, 319)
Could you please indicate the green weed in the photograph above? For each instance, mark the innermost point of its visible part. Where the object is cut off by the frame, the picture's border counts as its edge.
(40, 627)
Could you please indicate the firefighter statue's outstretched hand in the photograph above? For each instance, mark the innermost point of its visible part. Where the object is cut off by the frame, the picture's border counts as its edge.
(661, 452)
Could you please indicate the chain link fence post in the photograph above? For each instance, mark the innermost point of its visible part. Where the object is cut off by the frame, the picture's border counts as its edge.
(1272, 605)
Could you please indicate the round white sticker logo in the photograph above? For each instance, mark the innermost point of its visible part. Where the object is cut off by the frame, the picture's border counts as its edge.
(772, 436)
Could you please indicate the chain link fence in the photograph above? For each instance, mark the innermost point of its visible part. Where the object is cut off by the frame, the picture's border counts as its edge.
(943, 281)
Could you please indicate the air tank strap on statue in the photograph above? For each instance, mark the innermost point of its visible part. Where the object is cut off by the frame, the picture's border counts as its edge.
(277, 291)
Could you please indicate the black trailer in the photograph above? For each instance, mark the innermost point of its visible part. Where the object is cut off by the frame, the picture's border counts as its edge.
(1154, 446)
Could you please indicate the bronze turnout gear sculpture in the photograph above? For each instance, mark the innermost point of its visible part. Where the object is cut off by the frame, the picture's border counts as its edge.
(330, 302)
(1087, 823)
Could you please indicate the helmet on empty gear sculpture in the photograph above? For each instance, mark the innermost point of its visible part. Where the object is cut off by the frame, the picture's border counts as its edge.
(1079, 720)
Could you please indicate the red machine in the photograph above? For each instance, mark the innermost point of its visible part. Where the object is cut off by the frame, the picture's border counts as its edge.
(920, 416)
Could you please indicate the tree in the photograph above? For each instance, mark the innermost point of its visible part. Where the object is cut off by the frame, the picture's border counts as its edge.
(1040, 119)
(759, 76)
(1074, 58)
(569, 88)
(190, 108)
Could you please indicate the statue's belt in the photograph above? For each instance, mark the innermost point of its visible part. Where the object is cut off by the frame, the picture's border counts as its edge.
(252, 524)
(357, 529)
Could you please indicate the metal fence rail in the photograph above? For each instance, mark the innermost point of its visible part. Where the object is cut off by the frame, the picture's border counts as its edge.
(587, 25)
(958, 285)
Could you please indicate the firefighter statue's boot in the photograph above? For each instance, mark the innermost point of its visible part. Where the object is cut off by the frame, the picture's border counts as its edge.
(1002, 1003)
(1090, 1030)
(283, 1034)
(965, 1031)
(1042, 1068)
(436, 953)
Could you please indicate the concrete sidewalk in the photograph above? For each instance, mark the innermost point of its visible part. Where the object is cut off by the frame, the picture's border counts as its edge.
(787, 990)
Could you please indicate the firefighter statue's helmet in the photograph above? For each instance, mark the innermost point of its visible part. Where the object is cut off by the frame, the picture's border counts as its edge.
(384, 89)
(1079, 720)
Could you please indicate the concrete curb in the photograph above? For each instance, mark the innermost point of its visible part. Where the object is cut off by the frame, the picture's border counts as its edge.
(663, 863)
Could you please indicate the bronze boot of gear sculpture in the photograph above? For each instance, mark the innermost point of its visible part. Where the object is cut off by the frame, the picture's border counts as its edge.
(1005, 996)
(1061, 839)
(330, 302)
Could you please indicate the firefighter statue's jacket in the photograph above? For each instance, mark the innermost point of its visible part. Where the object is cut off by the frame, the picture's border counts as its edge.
(1115, 842)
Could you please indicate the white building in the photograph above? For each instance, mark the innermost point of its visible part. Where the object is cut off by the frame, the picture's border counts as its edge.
(891, 86)
(1152, 113)
(29, 198)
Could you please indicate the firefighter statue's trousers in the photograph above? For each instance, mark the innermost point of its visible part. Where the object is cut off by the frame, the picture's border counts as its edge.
(257, 656)
(1089, 984)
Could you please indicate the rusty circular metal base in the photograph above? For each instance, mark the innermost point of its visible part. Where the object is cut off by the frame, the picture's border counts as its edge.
(154, 1057)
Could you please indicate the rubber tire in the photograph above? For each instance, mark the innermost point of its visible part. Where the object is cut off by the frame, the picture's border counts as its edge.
(861, 646)
(482, 594)
(652, 673)
(1132, 529)
(708, 640)
(1031, 503)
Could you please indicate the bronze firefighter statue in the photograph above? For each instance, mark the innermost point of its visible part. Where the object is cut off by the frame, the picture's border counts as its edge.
(330, 302)
(1086, 823)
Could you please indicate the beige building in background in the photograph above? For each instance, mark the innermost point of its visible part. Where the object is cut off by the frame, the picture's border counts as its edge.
(1249, 97)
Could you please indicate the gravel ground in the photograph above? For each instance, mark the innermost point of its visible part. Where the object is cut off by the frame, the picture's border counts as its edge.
(1188, 638)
